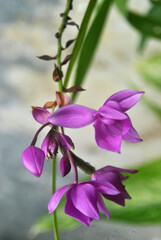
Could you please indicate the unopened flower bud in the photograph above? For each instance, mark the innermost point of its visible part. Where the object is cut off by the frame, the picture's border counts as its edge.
(65, 166)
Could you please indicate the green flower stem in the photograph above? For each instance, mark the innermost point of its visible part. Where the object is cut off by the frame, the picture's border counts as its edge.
(60, 86)
(61, 29)
(55, 225)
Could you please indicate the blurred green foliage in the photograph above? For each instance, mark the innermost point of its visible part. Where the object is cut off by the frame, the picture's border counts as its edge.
(150, 70)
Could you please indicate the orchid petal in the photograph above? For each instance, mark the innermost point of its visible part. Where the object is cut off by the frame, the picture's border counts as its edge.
(54, 201)
(112, 112)
(119, 199)
(118, 127)
(102, 207)
(40, 114)
(64, 141)
(126, 98)
(84, 199)
(105, 187)
(107, 169)
(33, 160)
(105, 138)
(73, 116)
(74, 212)
(132, 136)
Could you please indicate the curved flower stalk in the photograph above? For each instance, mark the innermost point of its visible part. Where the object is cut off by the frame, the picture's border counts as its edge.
(33, 157)
(84, 199)
(111, 122)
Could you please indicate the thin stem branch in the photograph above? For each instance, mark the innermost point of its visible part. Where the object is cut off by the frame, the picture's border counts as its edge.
(37, 133)
(73, 166)
(60, 85)
(55, 225)
(61, 29)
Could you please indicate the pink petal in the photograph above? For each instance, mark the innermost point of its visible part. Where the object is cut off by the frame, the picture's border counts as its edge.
(102, 207)
(119, 199)
(65, 166)
(118, 127)
(108, 169)
(33, 160)
(40, 114)
(111, 113)
(105, 138)
(132, 136)
(105, 187)
(64, 141)
(84, 199)
(74, 212)
(54, 201)
(126, 98)
(72, 116)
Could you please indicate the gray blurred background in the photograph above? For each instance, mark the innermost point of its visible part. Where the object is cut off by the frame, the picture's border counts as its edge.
(27, 30)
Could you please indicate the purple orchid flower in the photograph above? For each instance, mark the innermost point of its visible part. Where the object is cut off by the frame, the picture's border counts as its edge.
(111, 123)
(113, 175)
(33, 157)
(83, 200)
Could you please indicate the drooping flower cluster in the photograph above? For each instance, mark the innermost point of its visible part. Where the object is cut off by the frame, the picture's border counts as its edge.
(112, 125)
(33, 157)
(84, 200)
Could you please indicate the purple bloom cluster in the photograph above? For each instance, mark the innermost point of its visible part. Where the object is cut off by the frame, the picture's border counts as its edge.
(111, 123)
(84, 200)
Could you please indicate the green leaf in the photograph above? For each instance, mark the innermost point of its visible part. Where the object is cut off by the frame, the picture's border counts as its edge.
(45, 222)
(142, 43)
(150, 70)
(155, 13)
(147, 25)
(122, 6)
(145, 189)
(90, 43)
(80, 38)
(155, 1)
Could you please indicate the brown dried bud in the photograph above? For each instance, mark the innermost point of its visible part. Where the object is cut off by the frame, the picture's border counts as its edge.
(73, 24)
(73, 89)
(67, 58)
(62, 15)
(46, 57)
(68, 43)
(62, 99)
(49, 104)
(57, 75)
(57, 35)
